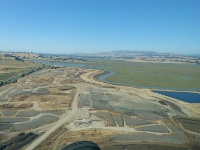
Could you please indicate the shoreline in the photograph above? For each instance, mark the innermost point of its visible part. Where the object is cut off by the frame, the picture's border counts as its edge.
(102, 73)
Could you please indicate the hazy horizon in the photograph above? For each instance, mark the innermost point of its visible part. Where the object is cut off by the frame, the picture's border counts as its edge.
(54, 53)
(66, 27)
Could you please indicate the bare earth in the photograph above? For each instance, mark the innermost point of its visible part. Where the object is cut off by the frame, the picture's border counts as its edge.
(65, 105)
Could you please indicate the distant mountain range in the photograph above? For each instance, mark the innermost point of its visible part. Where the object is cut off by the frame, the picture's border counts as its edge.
(143, 56)
(128, 54)
(195, 55)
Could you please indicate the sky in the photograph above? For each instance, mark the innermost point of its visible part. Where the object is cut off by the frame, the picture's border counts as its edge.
(90, 26)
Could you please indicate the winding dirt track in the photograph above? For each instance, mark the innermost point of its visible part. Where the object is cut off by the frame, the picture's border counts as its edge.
(61, 122)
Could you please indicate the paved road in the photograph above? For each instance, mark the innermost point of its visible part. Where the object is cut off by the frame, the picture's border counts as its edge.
(61, 122)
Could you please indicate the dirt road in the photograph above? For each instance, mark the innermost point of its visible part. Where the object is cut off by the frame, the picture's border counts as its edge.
(61, 121)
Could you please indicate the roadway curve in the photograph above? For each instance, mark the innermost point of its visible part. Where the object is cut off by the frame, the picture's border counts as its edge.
(61, 121)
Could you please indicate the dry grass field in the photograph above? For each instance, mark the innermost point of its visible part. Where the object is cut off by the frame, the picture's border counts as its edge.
(10, 68)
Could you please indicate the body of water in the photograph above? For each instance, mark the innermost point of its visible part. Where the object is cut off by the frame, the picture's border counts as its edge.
(103, 77)
(183, 96)
(66, 64)
(61, 64)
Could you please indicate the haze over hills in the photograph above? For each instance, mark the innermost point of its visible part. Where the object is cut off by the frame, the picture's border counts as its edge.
(128, 53)
(114, 54)
(143, 56)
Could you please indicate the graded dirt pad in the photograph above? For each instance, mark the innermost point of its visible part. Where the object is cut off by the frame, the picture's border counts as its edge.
(191, 124)
(14, 93)
(97, 91)
(41, 90)
(6, 106)
(55, 112)
(177, 137)
(44, 79)
(30, 85)
(100, 104)
(107, 116)
(1, 138)
(144, 146)
(24, 105)
(148, 116)
(121, 102)
(13, 120)
(52, 101)
(20, 97)
(35, 122)
(176, 108)
(5, 126)
(27, 113)
(119, 120)
(153, 128)
(2, 99)
(9, 112)
(19, 141)
(84, 100)
(136, 122)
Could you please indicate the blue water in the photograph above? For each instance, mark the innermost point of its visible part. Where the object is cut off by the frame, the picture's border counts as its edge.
(184, 96)
(66, 64)
(62, 64)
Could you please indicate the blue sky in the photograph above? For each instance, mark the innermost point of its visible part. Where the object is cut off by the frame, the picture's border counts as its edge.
(71, 26)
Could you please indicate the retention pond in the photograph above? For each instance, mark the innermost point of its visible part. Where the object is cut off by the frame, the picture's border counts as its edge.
(184, 96)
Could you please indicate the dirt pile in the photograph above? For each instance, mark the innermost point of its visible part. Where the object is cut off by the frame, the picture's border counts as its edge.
(86, 121)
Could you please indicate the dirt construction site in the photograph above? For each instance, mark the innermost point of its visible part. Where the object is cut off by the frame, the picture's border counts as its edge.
(52, 108)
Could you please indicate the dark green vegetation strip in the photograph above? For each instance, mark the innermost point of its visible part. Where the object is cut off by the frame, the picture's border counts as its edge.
(152, 75)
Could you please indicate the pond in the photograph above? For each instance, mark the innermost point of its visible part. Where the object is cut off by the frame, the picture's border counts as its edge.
(183, 96)
(62, 64)
(65, 64)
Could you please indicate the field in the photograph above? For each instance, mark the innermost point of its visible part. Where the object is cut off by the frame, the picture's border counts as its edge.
(152, 75)
(10, 68)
